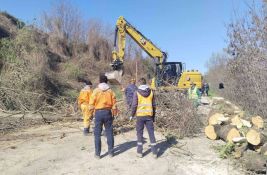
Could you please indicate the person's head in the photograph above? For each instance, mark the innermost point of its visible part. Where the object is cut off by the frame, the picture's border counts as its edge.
(192, 84)
(142, 81)
(132, 81)
(88, 82)
(103, 78)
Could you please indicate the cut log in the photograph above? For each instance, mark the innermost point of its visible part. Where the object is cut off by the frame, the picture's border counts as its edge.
(217, 118)
(246, 123)
(210, 132)
(240, 149)
(257, 121)
(236, 121)
(227, 133)
(264, 149)
(254, 137)
(254, 162)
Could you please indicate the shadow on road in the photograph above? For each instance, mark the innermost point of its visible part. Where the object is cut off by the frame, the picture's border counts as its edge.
(124, 147)
(164, 145)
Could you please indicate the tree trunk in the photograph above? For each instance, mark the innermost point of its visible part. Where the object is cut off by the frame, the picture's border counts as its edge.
(227, 133)
(254, 137)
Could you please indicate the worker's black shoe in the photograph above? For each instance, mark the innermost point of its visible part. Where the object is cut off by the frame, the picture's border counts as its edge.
(85, 131)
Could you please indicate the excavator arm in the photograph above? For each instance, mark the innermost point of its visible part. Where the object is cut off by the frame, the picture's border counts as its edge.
(123, 28)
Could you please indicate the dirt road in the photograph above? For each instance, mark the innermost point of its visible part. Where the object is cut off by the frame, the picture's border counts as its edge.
(60, 148)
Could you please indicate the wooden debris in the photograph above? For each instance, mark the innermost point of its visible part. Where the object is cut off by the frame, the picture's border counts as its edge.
(240, 149)
(257, 121)
(246, 123)
(236, 121)
(239, 139)
(210, 132)
(227, 133)
(254, 137)
(217, 118)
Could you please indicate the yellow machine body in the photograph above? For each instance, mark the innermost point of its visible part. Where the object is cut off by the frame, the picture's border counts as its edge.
(169, 75)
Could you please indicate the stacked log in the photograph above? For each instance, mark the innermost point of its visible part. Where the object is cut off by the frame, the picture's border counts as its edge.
(255, 137)
(246, 133)
(243, 133)
(257, 121)
(228, 128)
(224, 132)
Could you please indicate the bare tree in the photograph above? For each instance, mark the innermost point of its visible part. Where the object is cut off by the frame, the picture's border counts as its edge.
(246, 70)
(65, 26)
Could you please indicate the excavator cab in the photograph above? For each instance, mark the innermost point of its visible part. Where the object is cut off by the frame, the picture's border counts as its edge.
(168, 74)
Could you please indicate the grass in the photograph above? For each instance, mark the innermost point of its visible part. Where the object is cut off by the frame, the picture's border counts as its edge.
(212, 93)
(226, 150)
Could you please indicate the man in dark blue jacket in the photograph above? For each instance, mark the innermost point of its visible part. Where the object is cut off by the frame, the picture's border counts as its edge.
(129, 92)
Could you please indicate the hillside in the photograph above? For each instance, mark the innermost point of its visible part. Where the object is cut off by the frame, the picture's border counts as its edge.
(49, 66)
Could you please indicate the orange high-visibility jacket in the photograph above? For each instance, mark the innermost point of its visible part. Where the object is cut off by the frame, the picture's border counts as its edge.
(103, 100)
(85, 96)
(144, 107)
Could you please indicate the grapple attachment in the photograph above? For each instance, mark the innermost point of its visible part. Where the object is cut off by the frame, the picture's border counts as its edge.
(114, 77)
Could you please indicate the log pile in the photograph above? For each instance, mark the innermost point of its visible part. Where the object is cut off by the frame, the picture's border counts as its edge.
(235, 129)
(246, 133)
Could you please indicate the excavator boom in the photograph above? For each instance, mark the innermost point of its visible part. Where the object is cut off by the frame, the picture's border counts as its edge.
(123, 28)
(170, 75)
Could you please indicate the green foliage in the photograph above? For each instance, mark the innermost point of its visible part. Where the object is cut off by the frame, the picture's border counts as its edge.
(22, 45)
(73, 71)
(7, 50)
(118, 92)
(226, 150)
(71, 94)
(25, 41)
(15, 21)
(212, 93)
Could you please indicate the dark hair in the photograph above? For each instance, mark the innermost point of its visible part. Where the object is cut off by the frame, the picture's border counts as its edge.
(88, 82)
(142, 81)
(103, 78)
(84, 80)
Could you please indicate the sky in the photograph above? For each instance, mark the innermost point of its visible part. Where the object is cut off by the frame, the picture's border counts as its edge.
(188, 30)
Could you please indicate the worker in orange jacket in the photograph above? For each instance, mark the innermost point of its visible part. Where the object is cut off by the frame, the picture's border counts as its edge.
(83, 102)
(103, 105)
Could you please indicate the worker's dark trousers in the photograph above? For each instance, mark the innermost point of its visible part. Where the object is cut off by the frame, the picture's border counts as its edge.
(103, 117)
(140, 123)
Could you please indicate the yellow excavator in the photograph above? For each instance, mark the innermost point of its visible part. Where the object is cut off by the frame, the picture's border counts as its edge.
(168, 75)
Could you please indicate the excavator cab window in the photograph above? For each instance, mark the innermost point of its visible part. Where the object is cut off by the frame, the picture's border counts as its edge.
(168, 74)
